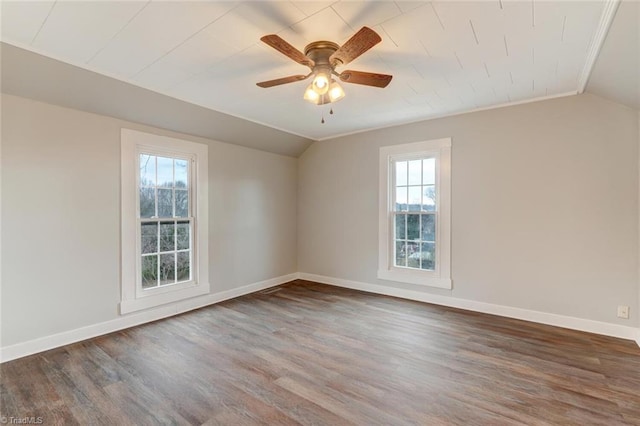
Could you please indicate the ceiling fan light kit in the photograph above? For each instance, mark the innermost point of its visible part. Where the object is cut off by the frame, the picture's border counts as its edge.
(322, 57)
(333, 94)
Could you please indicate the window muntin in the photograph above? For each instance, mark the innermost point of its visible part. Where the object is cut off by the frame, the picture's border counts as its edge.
(165, 221)
(414, 212)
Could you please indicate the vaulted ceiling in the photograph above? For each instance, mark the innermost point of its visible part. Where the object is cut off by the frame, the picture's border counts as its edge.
(446, 57)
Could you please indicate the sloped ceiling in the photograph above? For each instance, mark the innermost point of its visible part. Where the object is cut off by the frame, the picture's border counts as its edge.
(616, 74)
(34, 76)
(446, 57)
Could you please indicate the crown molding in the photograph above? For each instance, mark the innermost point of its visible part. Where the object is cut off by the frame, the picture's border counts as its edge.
(606, 19)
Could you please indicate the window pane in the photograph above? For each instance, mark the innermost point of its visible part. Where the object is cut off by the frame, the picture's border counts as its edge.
(149, 271)
(147, 202)
(181, 171)
(184, 266)
(182, 236)
(413, 227)
(165, 172)
(429, 198)
(147, 170)
(167, 268)
(413, 255)
(428, 227)
(415, 169)
(414, 198)
(149, 237)
(401, 199)
(401, 173)
(182, 203)
(401, 226)
(165, 202)
(428, 256)
(167, 240)
(429, 171)
(401, 254)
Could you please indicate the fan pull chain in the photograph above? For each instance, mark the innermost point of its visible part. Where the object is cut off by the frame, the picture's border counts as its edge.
(330, 113)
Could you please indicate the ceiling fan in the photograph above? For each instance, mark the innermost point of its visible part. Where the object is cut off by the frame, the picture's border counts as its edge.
(322, 58)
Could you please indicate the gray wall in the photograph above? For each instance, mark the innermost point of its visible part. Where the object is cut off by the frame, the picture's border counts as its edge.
(545, 211)
(61, 217)
(544, 206)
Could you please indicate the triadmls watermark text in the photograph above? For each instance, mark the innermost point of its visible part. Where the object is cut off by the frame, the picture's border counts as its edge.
(28, 420)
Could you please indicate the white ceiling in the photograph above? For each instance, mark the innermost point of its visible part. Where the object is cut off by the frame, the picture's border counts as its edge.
(446, 57)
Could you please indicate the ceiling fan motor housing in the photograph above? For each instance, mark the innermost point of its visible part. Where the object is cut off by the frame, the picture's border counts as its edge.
(320, 51)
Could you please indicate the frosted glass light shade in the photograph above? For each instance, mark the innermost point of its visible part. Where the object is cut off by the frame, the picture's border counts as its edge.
(320, 83)
(335, 91)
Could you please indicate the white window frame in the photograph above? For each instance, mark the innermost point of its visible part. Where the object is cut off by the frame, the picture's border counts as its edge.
(133, 297)
(440, 277)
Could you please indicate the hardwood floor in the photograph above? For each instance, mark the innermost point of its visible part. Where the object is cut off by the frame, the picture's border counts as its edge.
(307, 353)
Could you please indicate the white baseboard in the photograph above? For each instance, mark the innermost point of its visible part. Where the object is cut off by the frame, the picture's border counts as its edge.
(30, 347)
(581, 324)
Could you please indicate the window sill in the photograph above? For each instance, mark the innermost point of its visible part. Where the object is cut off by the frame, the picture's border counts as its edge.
(133, 305)
(428, 279)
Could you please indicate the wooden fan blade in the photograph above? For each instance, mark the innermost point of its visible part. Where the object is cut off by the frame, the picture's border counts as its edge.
(288, 50)
(366, 78)
(361, 41)
(283, 80)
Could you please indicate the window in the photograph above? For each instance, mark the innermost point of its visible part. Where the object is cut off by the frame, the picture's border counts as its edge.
(164, 220)
(166, 223)
(414, 217)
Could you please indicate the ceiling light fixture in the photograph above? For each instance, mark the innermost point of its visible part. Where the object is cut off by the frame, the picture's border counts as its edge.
(333, 93)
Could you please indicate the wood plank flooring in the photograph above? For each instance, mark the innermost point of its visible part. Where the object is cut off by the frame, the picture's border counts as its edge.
(312, 354)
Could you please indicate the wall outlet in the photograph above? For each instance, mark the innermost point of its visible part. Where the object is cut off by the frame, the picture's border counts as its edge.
(623, 312)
